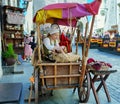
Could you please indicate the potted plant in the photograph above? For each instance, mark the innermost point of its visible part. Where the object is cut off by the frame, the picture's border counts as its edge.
(9, 55)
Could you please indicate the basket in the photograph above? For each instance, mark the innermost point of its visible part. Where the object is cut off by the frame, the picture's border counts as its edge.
(103, 67)
(66, 57)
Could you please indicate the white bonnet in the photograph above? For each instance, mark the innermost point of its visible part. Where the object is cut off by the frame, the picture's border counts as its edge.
(53, 30)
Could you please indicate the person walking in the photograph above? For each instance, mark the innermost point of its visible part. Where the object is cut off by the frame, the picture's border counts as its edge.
(33, 43)
(27, 49)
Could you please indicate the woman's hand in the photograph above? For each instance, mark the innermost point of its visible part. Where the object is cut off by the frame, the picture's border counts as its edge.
(64, 49)
(58, 49)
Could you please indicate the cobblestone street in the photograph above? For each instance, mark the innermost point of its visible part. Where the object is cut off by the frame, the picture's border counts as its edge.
(113, 82)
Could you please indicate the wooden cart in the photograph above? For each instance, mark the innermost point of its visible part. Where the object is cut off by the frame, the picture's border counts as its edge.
(51, 75)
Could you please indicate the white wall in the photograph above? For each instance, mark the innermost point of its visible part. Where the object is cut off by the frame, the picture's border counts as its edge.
(111, 14)
(118, 15)
(12, 2)
(28, 26)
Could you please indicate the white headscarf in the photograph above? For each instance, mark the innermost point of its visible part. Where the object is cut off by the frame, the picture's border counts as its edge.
(53, 30)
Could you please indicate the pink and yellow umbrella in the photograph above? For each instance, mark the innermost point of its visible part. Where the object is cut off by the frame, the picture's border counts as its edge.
(66, 13)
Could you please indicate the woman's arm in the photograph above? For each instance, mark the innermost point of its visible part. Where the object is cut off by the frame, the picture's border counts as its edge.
(53, 47)
(47, 44)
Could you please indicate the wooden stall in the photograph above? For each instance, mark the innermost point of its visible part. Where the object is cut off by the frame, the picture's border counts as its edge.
(53, 75)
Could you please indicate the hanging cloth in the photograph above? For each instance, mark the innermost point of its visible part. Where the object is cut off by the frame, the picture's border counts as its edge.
(64, 41)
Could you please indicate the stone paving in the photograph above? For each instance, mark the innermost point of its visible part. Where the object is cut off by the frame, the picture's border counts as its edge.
(65, 96)
(113, 81)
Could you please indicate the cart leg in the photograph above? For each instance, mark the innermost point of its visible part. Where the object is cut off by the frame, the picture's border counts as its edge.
(106, 90)
(74, 89)
(51, 92)
(84, 91)
(100, 85)
(36, 86)
(94, 92)
(31, 88)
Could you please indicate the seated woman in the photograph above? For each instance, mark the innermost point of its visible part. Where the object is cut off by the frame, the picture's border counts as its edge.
(63, 40)
(51, 43)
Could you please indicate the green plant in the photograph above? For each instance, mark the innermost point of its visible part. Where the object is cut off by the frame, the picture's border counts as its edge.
(9, 53)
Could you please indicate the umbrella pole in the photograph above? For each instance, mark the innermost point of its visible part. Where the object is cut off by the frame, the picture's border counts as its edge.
(78, 36)
(84, 61)
(83, 54)
(84, 44)
(90, 35)
(39, 42)
(72, 34)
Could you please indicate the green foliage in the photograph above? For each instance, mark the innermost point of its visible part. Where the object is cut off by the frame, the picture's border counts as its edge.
(9, 53)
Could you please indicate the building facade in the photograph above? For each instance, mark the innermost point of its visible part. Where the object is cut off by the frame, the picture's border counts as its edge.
(118, 15)
(14, 3)
(108, 18)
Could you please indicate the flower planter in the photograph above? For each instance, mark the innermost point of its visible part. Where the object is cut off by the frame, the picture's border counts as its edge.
(8, 69)
(10, 61)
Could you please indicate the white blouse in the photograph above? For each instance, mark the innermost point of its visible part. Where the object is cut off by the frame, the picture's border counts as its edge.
(50, 44)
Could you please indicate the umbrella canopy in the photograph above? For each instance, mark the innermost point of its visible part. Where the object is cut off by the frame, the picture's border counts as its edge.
(66, 13)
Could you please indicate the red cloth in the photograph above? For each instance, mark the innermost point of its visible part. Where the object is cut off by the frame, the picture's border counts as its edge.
(98, 64)
(93, 7)
(64, 41)
(90, 60)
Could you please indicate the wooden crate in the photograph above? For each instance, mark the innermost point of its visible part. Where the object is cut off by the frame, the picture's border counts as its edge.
(60, 74)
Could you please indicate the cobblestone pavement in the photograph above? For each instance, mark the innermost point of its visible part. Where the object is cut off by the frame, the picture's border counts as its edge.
(113, 82)
(65, 96)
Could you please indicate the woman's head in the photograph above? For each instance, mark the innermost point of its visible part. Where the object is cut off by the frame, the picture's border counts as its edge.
(54, 33)
(32, 33)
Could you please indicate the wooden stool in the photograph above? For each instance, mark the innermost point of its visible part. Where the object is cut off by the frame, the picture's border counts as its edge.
(101, 76)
